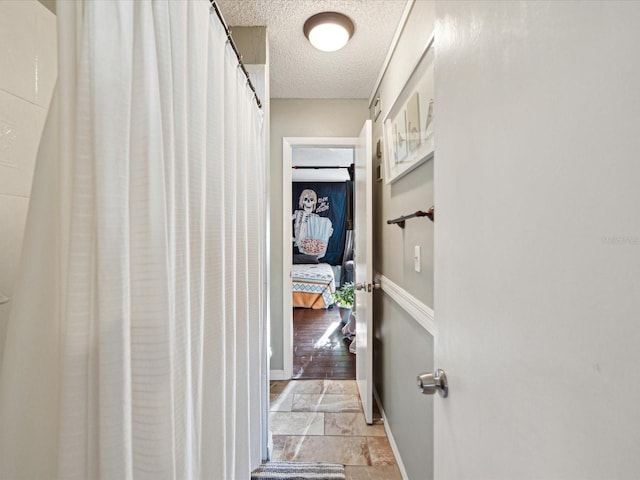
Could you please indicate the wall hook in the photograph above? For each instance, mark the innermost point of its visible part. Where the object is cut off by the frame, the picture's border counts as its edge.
(400, 221)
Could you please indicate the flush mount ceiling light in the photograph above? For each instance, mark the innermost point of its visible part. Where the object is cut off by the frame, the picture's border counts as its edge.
(328, 31)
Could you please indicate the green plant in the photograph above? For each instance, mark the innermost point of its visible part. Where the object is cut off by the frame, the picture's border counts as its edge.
(344, 296)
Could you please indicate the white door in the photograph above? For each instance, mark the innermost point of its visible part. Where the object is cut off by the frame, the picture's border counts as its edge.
(537, 277)
(363, 261)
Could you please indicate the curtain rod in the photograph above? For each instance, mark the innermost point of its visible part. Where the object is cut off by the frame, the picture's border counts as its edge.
(317, 168)
(214, 7)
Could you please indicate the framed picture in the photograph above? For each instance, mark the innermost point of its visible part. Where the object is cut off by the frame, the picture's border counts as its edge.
(409, 125)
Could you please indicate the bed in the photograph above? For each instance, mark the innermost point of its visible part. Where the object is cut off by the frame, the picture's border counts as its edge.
(312, 285)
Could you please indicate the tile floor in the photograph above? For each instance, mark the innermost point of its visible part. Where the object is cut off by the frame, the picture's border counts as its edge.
(322, 421)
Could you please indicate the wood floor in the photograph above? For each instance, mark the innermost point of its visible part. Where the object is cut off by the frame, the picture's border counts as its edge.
(320, 350)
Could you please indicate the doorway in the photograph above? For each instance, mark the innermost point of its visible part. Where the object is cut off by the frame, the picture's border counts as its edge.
(318, 173)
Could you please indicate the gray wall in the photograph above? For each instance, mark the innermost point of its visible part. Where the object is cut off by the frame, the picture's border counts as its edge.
(299, 118)
(401, 351)
(251, 42)
(403, 348)
(394, 247)
(50, 4)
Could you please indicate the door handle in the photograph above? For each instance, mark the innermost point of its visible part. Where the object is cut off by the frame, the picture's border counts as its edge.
(432, 382)
(367, 287)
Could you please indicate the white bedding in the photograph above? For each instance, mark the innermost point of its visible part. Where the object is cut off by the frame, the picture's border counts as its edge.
(312, 285)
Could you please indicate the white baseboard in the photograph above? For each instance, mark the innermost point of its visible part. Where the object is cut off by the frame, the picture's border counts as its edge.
(392, 442)
(277, 375)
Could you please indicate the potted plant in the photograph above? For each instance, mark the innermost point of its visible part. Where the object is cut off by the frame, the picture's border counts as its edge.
(344, 298)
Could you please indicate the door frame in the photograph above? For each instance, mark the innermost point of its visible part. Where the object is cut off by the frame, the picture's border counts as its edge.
(288, 143)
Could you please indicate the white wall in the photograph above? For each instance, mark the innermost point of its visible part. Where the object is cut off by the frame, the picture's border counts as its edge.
(28, 66)
(299, 118)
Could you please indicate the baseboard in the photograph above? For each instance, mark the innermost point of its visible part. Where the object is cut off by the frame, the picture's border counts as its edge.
(392, 442)
(277, 375)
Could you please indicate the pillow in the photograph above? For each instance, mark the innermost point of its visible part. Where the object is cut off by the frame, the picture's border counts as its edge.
(300, 258)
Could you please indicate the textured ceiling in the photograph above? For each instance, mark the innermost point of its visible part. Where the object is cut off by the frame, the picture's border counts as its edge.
(300, 71)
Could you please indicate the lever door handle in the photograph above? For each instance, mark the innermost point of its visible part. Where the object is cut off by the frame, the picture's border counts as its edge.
(367, 287)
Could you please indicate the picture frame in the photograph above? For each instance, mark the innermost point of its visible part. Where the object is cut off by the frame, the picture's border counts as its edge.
(408, 127)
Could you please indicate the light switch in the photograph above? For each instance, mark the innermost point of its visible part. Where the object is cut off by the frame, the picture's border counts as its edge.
(416, 258)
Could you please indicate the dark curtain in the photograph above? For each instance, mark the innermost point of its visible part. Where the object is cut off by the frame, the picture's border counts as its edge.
(328, 200)
(350, 217)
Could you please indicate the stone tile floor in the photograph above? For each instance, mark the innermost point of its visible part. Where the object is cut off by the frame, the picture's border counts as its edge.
(322, 421)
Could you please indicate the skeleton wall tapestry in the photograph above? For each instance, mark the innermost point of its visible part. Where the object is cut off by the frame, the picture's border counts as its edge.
(319, 220)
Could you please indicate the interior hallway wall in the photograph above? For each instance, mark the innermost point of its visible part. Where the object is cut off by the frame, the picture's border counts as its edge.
(28, 62)
(403, 348)
(50, 4)
(299, 118)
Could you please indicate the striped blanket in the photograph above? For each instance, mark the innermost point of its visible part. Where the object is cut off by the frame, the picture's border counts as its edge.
(312, 286)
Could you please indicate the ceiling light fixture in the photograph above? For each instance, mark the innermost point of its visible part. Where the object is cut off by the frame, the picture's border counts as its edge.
(328, 31)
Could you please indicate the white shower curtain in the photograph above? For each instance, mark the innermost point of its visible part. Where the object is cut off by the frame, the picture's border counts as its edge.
(133, 349)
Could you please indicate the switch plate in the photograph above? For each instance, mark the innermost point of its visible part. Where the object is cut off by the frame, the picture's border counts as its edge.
(416, 258)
